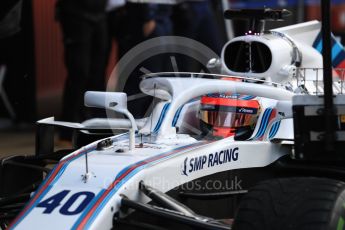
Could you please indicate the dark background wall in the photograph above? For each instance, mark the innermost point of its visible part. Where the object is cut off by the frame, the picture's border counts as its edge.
(17, 53)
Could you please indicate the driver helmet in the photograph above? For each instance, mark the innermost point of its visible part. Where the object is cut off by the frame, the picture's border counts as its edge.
(223, 115)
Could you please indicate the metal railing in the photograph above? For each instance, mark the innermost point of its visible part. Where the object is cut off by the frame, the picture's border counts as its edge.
(310, 81)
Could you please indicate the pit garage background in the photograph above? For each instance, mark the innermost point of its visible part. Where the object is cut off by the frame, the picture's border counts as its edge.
(35, 71)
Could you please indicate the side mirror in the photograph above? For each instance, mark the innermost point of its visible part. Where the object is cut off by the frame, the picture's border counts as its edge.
(106, 100)
(113, 101)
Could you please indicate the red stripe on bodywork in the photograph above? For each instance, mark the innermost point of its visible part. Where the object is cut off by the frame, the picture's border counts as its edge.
(47, 183)
(342, 64)
(87, 217)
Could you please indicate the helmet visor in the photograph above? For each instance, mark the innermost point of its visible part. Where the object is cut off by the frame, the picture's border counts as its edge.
(227, 119)
(233, 114)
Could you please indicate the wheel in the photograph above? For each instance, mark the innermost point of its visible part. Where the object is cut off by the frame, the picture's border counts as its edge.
(293, 204)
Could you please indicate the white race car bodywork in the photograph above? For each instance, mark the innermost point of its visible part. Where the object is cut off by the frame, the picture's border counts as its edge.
(171, 155)
(113, 174)
(85, 189)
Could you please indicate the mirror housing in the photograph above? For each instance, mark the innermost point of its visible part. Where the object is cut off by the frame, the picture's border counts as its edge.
(114, 101)
(106, 100)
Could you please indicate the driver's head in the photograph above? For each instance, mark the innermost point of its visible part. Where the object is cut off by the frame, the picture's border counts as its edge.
(223, 115)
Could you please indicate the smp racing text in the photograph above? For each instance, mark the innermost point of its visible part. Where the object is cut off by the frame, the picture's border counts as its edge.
(210, 160)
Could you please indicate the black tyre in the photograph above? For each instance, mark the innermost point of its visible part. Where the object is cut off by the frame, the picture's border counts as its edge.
(293, 204)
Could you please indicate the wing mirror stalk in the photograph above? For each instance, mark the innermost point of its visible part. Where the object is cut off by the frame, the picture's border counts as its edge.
(116, 102)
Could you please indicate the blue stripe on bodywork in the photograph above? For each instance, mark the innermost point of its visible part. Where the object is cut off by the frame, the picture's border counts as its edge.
(319, 47)
(338, 52)
(58, 175)
(161, 117)
(177, 116)
(263, 124)
(274, 130)
(317, 41)
(163, 156)
(88, 208)
(339, 59)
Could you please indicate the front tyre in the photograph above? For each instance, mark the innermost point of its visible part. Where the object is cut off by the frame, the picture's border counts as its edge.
(293, 204)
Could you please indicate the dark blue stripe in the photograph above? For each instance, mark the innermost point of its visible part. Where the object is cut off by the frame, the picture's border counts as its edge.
(57, 176)
(338, 52)
(159, 123)
(262, 132)
(319, 47)
(88, 208)
(274, 130)
(261, 124)
(317, 41)
(177, 116)
(131, 174)
(264, 122)
(339, 58)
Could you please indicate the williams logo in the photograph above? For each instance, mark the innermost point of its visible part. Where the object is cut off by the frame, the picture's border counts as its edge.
(247, 111)
(184, 167)
(209, 160)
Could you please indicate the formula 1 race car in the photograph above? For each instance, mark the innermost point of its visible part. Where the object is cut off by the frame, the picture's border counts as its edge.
(217, 151)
